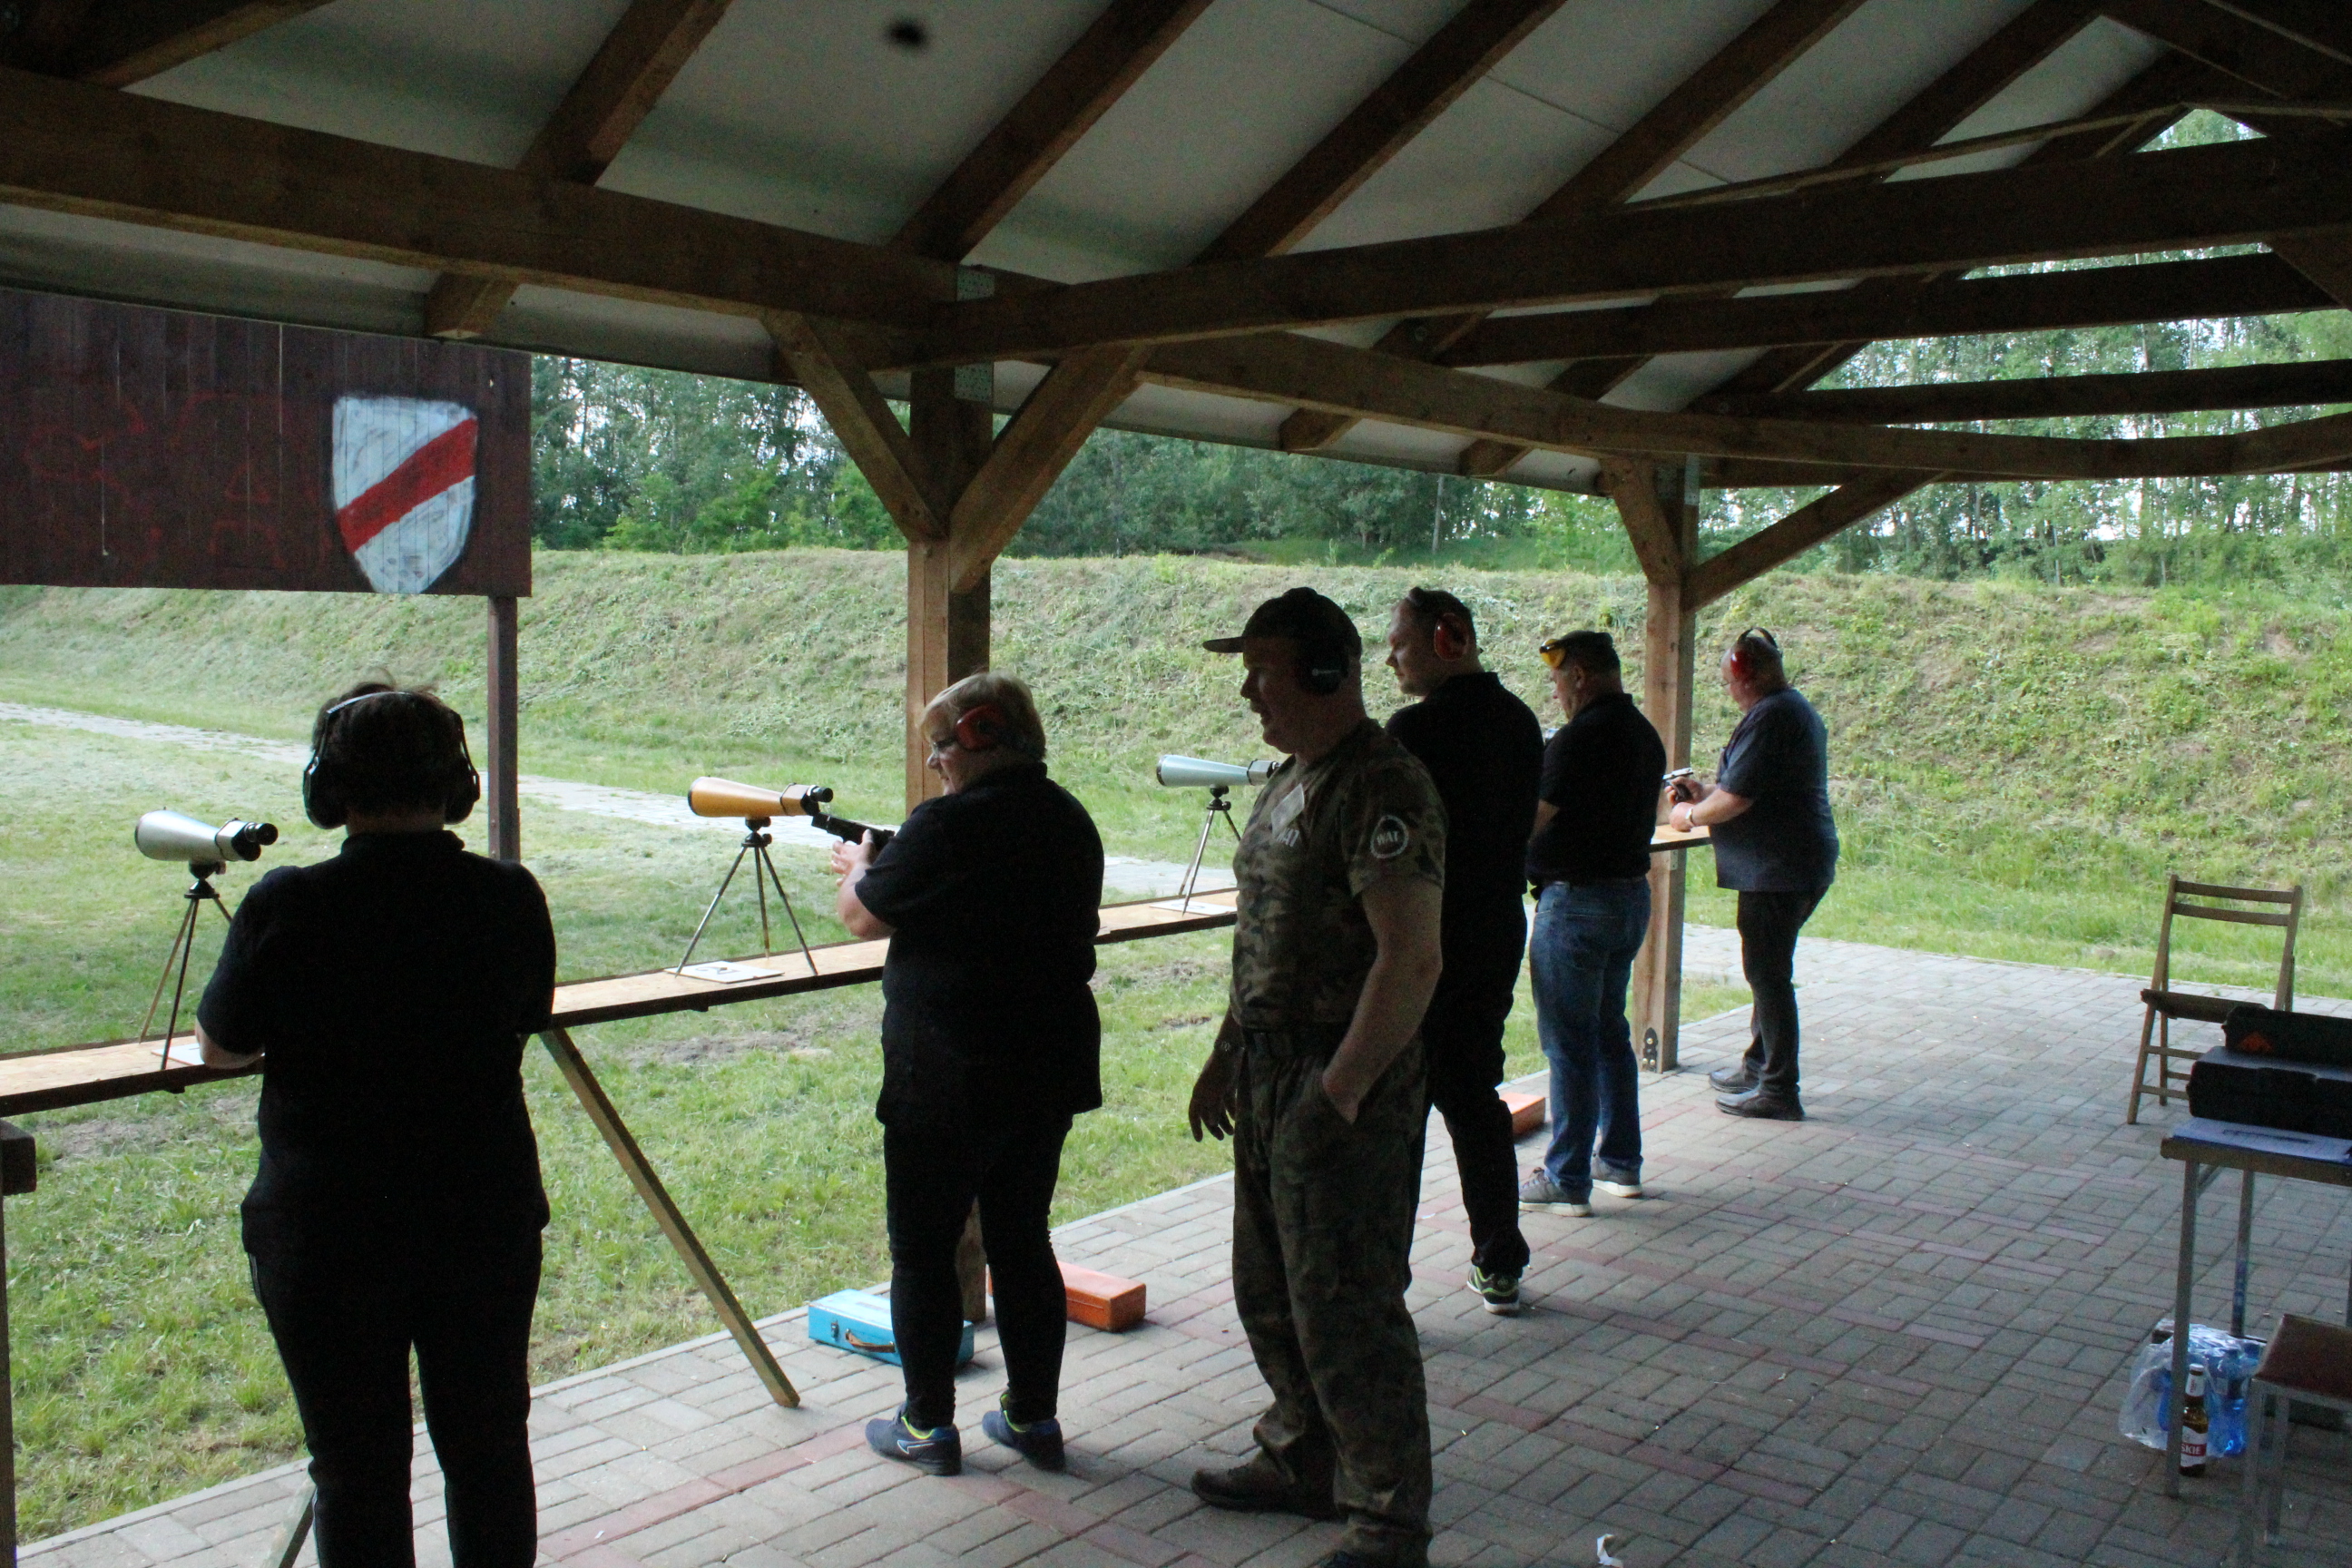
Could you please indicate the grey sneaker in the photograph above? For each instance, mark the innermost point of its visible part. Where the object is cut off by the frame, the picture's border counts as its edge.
(1616, 1183)
(1540, 1194)
(1500, 1292)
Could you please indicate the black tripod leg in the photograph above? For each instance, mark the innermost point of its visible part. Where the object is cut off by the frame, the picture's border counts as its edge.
(184, 938)
(723, 883)
(786, 899)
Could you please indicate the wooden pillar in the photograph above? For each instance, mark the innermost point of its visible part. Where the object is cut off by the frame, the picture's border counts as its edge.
(18, 1174)
(501, 802)
(1659, 504)
(947, 631)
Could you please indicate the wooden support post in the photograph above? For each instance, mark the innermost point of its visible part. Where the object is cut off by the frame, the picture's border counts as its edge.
(500, 792)
(1659, 504)
(623, 1145)
(947, 631)
(18, 1174)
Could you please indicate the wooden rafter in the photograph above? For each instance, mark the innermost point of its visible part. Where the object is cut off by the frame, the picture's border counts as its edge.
(1024, 146)
(2234, 46)
(72, 148)
(825, 365)
(2253, 285)
(2179, 199)
(115, 45)
(1679, 122)
(2321, 25)
(1462, 51)
(638, 59)
(2016, 48)
(1312, 373)
(1795, 534)
(2291, 385)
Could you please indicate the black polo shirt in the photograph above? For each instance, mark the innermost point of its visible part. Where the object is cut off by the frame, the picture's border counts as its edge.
(1602, 769)
(994, 895)
(393, 987)
(1483, 750)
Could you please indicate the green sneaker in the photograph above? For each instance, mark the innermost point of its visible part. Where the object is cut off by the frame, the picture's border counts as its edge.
(1499, 1292)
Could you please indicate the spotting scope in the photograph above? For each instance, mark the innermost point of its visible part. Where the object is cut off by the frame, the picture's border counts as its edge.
(176, 835)
(1192, 772)
(725, 797)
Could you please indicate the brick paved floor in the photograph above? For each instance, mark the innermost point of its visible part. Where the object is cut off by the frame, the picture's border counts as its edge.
(1889, 1335)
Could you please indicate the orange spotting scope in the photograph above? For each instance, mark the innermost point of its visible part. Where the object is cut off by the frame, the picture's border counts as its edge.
(725, 797)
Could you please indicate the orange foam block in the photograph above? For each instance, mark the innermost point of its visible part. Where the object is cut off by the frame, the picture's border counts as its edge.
(1102, 1301)
(1527, 1111)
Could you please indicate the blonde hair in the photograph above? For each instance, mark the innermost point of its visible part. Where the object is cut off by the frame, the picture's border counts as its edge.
(1023, 730)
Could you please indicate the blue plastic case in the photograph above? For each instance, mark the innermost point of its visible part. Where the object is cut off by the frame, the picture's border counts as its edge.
(860, 1321)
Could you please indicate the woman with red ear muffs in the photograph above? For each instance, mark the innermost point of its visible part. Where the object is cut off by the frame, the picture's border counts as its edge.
(990, 895)
(1776, 845)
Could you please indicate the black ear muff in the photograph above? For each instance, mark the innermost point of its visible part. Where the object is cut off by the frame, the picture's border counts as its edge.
(981, 729)
(465, 783)
(322, 802)
(1322, 670)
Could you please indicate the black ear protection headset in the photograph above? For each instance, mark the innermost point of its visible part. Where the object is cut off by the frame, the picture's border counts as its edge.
(980, 728)
(1322, 667)
(325, 790)
(1742, 657)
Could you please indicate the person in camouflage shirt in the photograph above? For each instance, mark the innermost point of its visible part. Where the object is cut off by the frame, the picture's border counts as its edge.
(1317, 1075)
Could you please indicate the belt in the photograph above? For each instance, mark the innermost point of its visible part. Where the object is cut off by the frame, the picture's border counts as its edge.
(1594, 882)
(1300, 1040)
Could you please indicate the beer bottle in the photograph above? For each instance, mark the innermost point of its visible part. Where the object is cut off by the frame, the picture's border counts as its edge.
(2194, 1424)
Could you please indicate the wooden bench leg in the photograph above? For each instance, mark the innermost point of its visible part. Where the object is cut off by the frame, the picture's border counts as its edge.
(623, 1145)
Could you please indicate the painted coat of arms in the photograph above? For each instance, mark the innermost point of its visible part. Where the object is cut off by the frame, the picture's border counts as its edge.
(403, 487)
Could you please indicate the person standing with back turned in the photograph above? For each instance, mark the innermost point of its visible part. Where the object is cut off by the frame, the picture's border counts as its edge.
(1589, 860)
(1317, 1073)
(1483, 750)
(1776, 845)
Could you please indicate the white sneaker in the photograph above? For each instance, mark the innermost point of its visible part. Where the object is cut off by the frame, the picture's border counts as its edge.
(1616, 1185)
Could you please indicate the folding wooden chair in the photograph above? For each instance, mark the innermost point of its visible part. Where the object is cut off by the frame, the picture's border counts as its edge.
(2165, 1005)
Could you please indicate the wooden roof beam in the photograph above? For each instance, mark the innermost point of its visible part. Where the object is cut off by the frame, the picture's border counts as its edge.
(2321, 25)
(1023, 148)
(2184, 198)
(1830, 515)
(1648, 148)
(115, 45)
(68, 147)
(2254, 285)
(630, 71)
(2291, 385)
(1304, 372)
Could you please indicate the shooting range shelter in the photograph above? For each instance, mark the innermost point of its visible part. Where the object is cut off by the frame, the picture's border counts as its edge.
(1590, 244)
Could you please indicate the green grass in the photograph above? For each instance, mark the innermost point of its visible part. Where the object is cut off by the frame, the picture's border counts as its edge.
(2015, 769)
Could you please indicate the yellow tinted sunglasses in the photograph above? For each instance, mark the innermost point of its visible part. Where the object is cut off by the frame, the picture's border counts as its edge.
(1555, 652)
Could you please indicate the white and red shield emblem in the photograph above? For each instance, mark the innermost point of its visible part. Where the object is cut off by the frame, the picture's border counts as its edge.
(404, 486)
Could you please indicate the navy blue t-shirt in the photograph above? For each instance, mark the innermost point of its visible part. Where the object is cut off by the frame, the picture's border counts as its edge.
(1786, 842)
(994, 895)
(392, 986)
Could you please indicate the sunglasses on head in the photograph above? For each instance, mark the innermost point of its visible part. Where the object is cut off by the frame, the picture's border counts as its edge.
(1555, 652)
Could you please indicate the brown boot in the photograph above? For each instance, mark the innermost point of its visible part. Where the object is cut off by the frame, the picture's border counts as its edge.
(1257, 1487)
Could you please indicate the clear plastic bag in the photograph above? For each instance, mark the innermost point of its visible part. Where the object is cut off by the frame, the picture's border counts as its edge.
(2227, 1360)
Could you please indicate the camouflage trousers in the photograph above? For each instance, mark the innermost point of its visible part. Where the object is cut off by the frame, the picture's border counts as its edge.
(1323, 1216)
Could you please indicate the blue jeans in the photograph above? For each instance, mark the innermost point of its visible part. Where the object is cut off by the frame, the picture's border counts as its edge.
(1581, 952)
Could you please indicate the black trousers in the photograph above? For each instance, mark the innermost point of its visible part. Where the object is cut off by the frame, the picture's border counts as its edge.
(345, 1309)
(1461, 1039)
(933, 1173)
(1769, 924)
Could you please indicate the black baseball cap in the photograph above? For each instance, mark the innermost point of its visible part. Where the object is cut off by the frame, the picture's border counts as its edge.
(1302, 615)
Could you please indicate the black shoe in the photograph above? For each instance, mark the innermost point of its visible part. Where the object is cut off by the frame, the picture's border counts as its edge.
(1039, 1442)
(1761, 1107)
(1737, 1078)
(1254, 1488)
(939, 1450)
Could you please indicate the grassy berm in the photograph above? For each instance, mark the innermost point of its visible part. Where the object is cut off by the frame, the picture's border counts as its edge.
(2015, 770)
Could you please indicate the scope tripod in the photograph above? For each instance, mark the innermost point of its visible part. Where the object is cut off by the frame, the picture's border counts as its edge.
(756, 840)
(200, 892)
(1218, 806)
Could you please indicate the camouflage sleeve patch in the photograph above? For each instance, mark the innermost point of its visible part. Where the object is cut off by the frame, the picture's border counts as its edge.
(1395, 825)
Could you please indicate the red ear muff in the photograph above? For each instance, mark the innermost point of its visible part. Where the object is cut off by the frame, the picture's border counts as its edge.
(1446, 639)
(981, 729)
(1742, 657)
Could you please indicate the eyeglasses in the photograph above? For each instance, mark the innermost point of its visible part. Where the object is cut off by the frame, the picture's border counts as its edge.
(1555, 652)
(944, 744)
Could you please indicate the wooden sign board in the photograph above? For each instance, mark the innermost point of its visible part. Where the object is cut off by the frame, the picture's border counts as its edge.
(158, 448)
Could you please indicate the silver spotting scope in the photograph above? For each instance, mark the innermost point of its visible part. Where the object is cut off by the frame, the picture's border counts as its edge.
(176, 835)
(1193, 773)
